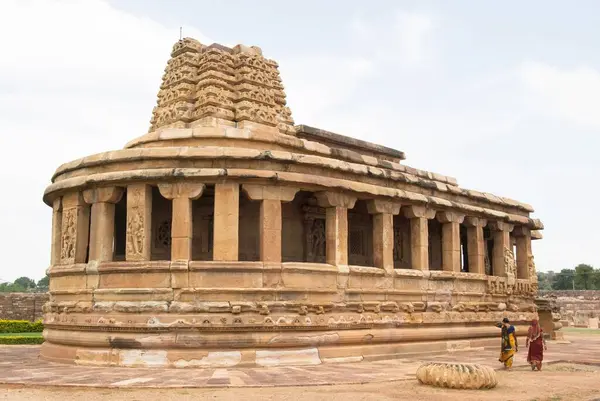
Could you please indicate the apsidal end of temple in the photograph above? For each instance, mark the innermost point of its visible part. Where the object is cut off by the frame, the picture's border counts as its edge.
(232, 84)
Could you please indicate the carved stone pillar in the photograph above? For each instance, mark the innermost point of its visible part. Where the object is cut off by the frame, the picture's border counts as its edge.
(75, 229)
(102, 228)
(270, 217)
(139, 222)
(182, 195)
(336, 225)
(523, 239)
(475, 244)
(56, 229)
(383, 232)
(226, 222)
(501, 236)
(450, 240)
(419, 235)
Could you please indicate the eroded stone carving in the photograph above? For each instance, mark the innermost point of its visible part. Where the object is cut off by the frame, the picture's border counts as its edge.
(135, 229)
(68, 235)
(315, 240)
(457, 375)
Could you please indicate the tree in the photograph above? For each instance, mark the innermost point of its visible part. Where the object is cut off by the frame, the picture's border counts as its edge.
(25, 282)
(544, 280)
(563, 280)
(10, 287)
(596, 279)
(43, 283)
(584, 277)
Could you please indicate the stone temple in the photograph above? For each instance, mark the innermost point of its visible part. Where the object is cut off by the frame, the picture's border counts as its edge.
(228, 236)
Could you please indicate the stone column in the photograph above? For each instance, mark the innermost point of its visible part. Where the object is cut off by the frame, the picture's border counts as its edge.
(383, 232)
(56, 229)
(75, 229)
(523, 239)
(336, 225)
(102, 228)
(475, 244)
(226, 222)
(270, 217)
(182, 195)
(139, 222)
(419, 235)
(501, 236)
(450, 240)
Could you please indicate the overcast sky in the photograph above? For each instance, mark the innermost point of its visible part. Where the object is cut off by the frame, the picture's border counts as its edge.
(504, 96)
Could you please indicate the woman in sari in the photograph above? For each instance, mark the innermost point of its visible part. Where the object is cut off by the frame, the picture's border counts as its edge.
(509, 343)
(536, 344)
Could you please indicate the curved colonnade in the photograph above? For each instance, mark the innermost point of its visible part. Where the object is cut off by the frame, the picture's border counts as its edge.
(230, 244)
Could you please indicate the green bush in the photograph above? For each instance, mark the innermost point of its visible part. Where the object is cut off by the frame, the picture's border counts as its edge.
(21, 326)
(14, 340)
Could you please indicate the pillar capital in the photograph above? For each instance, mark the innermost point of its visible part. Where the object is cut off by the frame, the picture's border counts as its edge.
(521, 231)
(471, 221)
(73, 199)
(500, 226)
(270, 192)
(173, 190)
(103, 195)
(413, 211)
(378, 206)
(335, 199)
(450, 217)
(57, 204)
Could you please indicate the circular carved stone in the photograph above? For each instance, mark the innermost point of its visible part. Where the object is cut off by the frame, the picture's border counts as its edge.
(457, 375)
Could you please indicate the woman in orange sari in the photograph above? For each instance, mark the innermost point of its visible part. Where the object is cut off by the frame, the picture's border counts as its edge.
(537, 345)
(509, 345)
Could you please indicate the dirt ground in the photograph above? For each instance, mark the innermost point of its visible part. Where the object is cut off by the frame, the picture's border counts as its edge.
(560, 382)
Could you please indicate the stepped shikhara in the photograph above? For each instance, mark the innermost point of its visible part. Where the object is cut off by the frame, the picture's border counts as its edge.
(227, 236)
(236, 85)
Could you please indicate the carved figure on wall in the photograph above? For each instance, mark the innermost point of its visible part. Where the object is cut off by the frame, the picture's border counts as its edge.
(317, 240)
(69, 233)
(510, 267)
(135, 230)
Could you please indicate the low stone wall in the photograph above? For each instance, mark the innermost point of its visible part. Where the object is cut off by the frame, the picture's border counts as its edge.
(22, 306)
(577, 308)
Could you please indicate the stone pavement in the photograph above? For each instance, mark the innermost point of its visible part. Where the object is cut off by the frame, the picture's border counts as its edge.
(20, 365)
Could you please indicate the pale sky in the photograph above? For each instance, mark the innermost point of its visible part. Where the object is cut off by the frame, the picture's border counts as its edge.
(504, 96)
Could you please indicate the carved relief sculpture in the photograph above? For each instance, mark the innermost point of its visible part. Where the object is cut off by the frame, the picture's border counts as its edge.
(68, 235)
(135, 233)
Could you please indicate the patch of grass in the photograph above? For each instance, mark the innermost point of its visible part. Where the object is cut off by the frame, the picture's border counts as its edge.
(21, 334)
(20, 340)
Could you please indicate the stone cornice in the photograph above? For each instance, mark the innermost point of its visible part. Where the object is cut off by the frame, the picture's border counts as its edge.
(179, 154)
